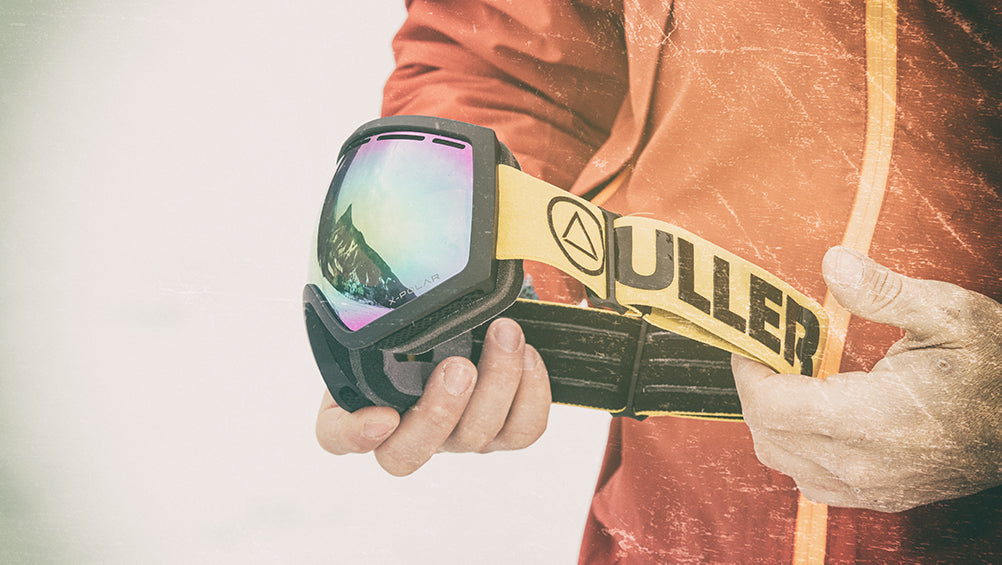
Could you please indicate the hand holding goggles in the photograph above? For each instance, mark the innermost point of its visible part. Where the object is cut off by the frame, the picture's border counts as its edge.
(421, 239)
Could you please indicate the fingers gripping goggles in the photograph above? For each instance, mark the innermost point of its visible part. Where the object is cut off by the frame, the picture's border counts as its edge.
(420, 243)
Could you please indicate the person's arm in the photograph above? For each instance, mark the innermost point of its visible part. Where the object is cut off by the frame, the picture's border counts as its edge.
(548, 77)
(924, 425)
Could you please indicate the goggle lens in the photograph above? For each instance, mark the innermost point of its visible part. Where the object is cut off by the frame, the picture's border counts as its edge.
(396, 223)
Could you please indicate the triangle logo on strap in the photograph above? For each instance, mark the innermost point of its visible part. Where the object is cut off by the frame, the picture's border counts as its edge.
(577, 237)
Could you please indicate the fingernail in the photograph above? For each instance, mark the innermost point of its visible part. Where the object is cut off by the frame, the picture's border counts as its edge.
(508, 336)
(376, 430)
(458, 378)
(850, 266)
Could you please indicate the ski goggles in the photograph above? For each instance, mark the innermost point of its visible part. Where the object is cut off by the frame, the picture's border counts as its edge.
(420, 242)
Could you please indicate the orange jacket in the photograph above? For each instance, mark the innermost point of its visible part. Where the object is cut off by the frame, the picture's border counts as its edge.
(745, 123)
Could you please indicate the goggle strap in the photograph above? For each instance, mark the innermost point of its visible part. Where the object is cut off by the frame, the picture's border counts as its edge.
(669, 276)
(595, 359)
(599, 359)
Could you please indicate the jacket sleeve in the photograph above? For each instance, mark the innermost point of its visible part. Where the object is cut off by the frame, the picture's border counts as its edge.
(548, 76)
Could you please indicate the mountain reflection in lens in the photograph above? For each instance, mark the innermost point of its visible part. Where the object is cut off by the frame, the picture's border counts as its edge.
(397, 225)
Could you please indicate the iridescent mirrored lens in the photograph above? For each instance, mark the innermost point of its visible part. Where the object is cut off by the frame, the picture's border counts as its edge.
(396, 223)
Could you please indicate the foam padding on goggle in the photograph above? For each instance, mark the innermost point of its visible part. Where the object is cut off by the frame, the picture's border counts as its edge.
(459, 316)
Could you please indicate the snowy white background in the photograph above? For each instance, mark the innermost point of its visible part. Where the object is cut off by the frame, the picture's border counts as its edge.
(161, 167)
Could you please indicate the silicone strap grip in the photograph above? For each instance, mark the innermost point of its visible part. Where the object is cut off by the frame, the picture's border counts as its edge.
(599, 359)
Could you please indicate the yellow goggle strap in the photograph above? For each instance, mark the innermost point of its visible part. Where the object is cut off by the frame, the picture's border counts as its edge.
(661, 273)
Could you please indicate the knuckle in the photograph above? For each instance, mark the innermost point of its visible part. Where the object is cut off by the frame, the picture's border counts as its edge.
(751, 412)
(766, 454)
(502, 370)
(985, 315)
(751, 418)
(436, 414)
(859, 476)
(961, 313)
(956, 304)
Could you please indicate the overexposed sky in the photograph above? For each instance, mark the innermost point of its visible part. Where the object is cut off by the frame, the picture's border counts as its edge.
(161, 169)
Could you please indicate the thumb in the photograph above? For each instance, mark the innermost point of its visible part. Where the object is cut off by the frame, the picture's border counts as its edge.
(872, 291)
